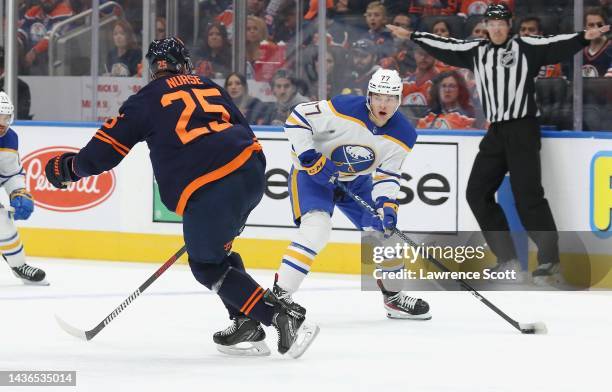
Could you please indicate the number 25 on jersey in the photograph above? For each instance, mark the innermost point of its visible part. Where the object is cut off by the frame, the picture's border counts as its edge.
(187, 135)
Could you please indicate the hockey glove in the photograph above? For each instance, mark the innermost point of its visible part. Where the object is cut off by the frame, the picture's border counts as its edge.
(322, 170)
(59, 170)
(387, 210)
(23, 204)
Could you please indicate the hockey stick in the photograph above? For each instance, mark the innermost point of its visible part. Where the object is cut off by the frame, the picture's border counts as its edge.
(88, 335)
(526, 328)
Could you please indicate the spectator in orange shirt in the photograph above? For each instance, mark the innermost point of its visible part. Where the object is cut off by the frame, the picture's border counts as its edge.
(433, 7)
(416, 86)
(532, 25)
(451, 107)
(442, 29)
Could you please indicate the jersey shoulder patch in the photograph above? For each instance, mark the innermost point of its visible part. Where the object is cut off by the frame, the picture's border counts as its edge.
(9, 141)
(351, 107)
(400, 131)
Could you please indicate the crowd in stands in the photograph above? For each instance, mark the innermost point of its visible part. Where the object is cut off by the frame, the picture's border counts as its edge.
(435, 94)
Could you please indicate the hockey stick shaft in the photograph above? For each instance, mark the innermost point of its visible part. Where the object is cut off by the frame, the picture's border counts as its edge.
(437, 263)
(93, 332)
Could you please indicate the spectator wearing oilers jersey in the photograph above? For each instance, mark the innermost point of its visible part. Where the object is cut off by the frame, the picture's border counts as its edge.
(505, 68)
(451, 107)
(597, 57)
(416, 86)
(210, 170)
(33, 32)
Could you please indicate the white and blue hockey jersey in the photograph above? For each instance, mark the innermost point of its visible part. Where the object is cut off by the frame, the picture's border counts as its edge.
(341, 130)
(12, 176)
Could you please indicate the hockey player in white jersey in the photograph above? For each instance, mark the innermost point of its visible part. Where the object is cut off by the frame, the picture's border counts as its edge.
(12, 179)
(362, 141)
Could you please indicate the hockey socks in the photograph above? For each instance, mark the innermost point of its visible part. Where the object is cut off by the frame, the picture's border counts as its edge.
(12, 250)
(311, 238)
(235, 287)
(296, 264)
(235, 261)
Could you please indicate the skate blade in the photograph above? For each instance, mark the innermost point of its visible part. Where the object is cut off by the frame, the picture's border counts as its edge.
(255, 349)
(405, 316)
(305, 336)
(397, 315)
(31, 283)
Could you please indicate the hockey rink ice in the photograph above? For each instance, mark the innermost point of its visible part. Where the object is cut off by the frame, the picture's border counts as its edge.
(163, 340)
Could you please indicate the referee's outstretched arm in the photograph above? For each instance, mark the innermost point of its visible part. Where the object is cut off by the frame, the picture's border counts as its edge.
(555, 48)
(456, 52)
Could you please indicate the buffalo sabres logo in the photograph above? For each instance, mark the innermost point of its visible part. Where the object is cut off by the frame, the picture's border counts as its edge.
(352, 159)
(507, 59)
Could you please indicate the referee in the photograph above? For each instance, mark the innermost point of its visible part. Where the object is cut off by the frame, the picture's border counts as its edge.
(505, 68)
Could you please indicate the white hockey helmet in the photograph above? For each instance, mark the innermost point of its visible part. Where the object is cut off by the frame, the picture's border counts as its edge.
(6, 109)
(387, 82)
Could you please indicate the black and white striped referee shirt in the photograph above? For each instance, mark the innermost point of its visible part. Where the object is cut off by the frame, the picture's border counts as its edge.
(505, 74)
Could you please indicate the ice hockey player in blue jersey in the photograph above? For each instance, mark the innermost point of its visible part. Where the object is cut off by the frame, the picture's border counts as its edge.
(210, 169)
(12, 179)
(362, 141)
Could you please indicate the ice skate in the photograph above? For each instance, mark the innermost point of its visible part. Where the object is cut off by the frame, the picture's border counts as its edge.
(294, 334)
(285, 297)
(244, 337)
(30, 275)
(400, 305)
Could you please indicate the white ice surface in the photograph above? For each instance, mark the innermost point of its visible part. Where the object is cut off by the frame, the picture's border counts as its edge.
(163, 340)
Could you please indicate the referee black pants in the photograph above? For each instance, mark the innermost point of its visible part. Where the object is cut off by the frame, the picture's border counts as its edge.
(514, 147)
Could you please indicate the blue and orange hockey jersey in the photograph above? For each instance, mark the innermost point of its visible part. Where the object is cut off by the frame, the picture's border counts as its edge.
(194, 132)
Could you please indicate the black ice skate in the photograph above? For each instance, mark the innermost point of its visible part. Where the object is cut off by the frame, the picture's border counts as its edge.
(294, 335)
(244, 337)
(30, 275)
(400, 305)
(285, 297)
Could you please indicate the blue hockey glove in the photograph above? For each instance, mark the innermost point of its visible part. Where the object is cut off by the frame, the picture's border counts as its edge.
(23, 204)
(386, 222)
(322, 170)
(59, 170)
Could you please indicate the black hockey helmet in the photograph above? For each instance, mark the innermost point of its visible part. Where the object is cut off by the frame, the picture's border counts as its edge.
(498, 11)
(169, 54)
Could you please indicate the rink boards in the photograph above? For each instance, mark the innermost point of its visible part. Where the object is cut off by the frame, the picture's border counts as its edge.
(116, 216)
